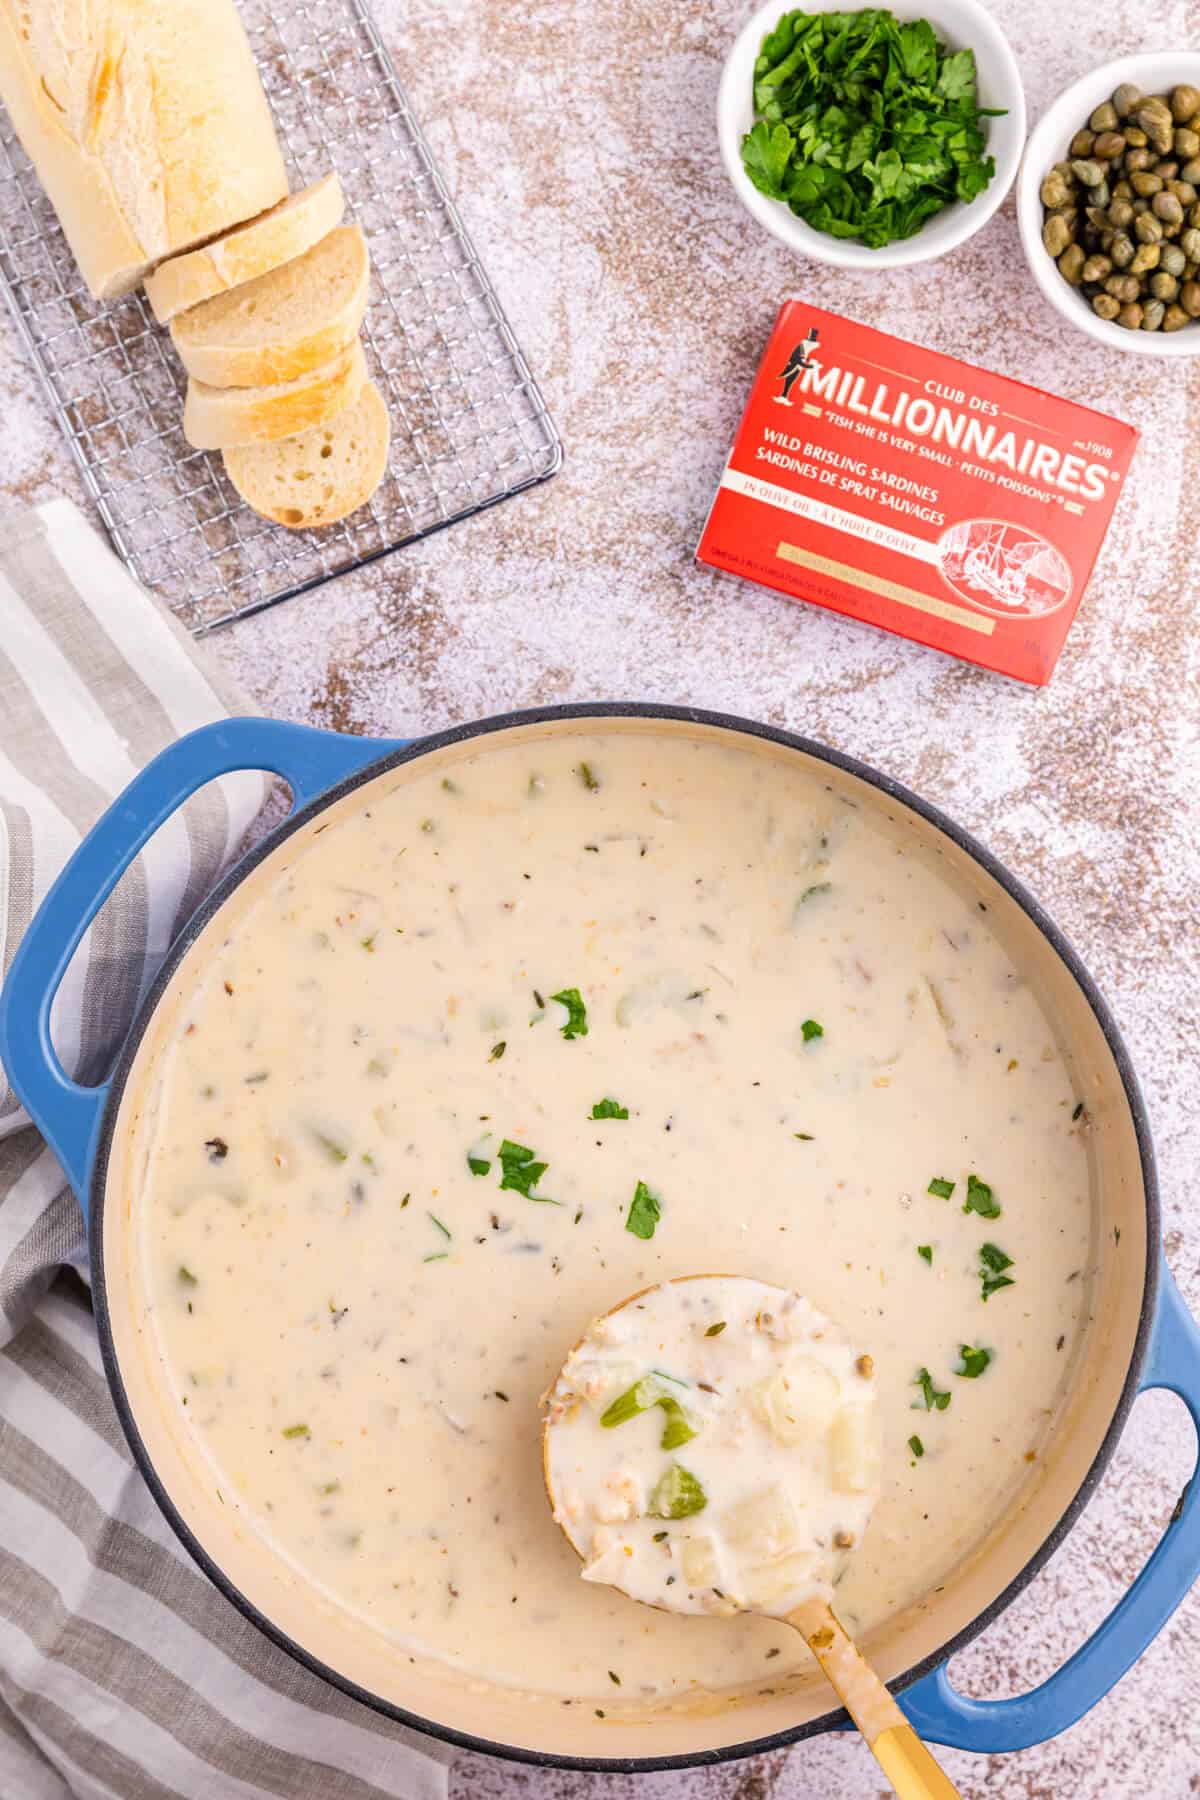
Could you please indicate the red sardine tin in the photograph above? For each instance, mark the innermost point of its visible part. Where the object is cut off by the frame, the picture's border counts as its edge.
(906, 488)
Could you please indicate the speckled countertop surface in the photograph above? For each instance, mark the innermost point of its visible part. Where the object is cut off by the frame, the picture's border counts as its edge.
(579, 142)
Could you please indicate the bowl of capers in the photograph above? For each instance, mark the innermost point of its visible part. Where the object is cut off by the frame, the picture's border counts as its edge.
(1108, 202)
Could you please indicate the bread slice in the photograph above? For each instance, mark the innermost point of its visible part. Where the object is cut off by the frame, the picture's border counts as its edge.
(147, 125)
(277, 236)
(216, 418)
(283, 324)
(318, 476)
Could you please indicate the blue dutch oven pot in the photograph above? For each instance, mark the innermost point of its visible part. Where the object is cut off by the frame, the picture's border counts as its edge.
(321, 768)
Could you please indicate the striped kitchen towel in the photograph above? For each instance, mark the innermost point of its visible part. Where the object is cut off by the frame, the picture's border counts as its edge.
(124, 1675)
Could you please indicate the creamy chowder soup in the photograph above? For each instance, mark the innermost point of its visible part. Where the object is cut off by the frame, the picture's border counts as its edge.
(712, 1446)
(548, 1021)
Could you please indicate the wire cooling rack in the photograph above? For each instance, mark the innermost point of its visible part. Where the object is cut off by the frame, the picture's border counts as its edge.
(469, 426)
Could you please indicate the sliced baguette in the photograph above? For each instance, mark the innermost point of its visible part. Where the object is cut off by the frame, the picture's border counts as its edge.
(276, 236)
(283, 324)
(216, 418)
(318, 476)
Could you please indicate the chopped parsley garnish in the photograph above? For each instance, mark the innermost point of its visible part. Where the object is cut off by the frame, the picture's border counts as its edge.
(609, 1109)
(295, 1431)
(588, 777)
(1078, 1113)
(576, 1025)
(614, 1678)
(185, 1276)
(677, 1495)
(645, 1210)
(812, 1030)
(941, 1187)
(804, 1137)
(521, 1172)
(717, 1329)
(993, 1263)
(916, 1446)
(933, 1400)
(497, 1051)
(478, 1165)
(980, 1200)
(974, 1362)
(865, 125)
(329, 1487)
(818, 887)
(217, 1149)
(444, 1229)
(925, 1252)
(437, 1256)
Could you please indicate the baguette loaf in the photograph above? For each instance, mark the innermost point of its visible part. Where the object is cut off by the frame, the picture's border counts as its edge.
(275, 237)
(216, 418)
(321, 475)
(145, 120)
(283, 324)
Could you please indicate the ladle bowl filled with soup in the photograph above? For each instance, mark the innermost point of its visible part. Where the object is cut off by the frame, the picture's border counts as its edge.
(543, 1011)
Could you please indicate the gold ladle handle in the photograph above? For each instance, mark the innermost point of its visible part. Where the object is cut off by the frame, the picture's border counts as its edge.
(904, 1759)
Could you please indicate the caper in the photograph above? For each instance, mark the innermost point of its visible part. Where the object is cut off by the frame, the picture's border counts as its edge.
(1167, 208)
(1123, 288)
(1105, 306)
(1140, 205)
(1081, 143)
(1185, 103)
(1090, 173)
(1135, 137)
(1147, 228)
(1146, 258)
(1108, 145)
(1163, 286)
(1122, 190)
(1185, 142)
(1137, 159)
(1184, 192)
(1120, 214)
(1071, 262)
(1190, 271)
(1159, 130)
(1189, 297)
(1193, 217)
(1130, 316)
(1168, 170)
(1153, 313)
(1097, 218)
(1126, 98)
(1056, 234)
(1145, 183)
(1054, 191)
(1191, 171)
(1174, 319)
(1122, 251)
(1189, 244)
(1104, 117)
(1096, 268)
(1172, 259)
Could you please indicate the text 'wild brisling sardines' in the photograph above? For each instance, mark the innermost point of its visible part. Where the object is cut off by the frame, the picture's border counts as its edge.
(950, 505)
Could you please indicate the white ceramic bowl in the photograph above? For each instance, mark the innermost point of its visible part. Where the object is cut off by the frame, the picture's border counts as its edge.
(1154, 73)
(963, 25)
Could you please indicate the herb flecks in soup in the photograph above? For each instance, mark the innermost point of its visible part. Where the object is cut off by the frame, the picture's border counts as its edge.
(370, 1240)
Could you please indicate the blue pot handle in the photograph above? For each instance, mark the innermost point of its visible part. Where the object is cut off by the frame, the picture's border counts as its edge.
(945, 1716)
(67, 1114)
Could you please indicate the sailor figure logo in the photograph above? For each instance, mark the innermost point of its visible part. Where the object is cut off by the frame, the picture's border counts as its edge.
(1004, 569)
(802, 357)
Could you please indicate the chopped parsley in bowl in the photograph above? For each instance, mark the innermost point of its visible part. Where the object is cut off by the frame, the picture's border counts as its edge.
(872, 138)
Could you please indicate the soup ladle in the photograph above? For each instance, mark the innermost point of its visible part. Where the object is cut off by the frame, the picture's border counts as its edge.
(702, 1323)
